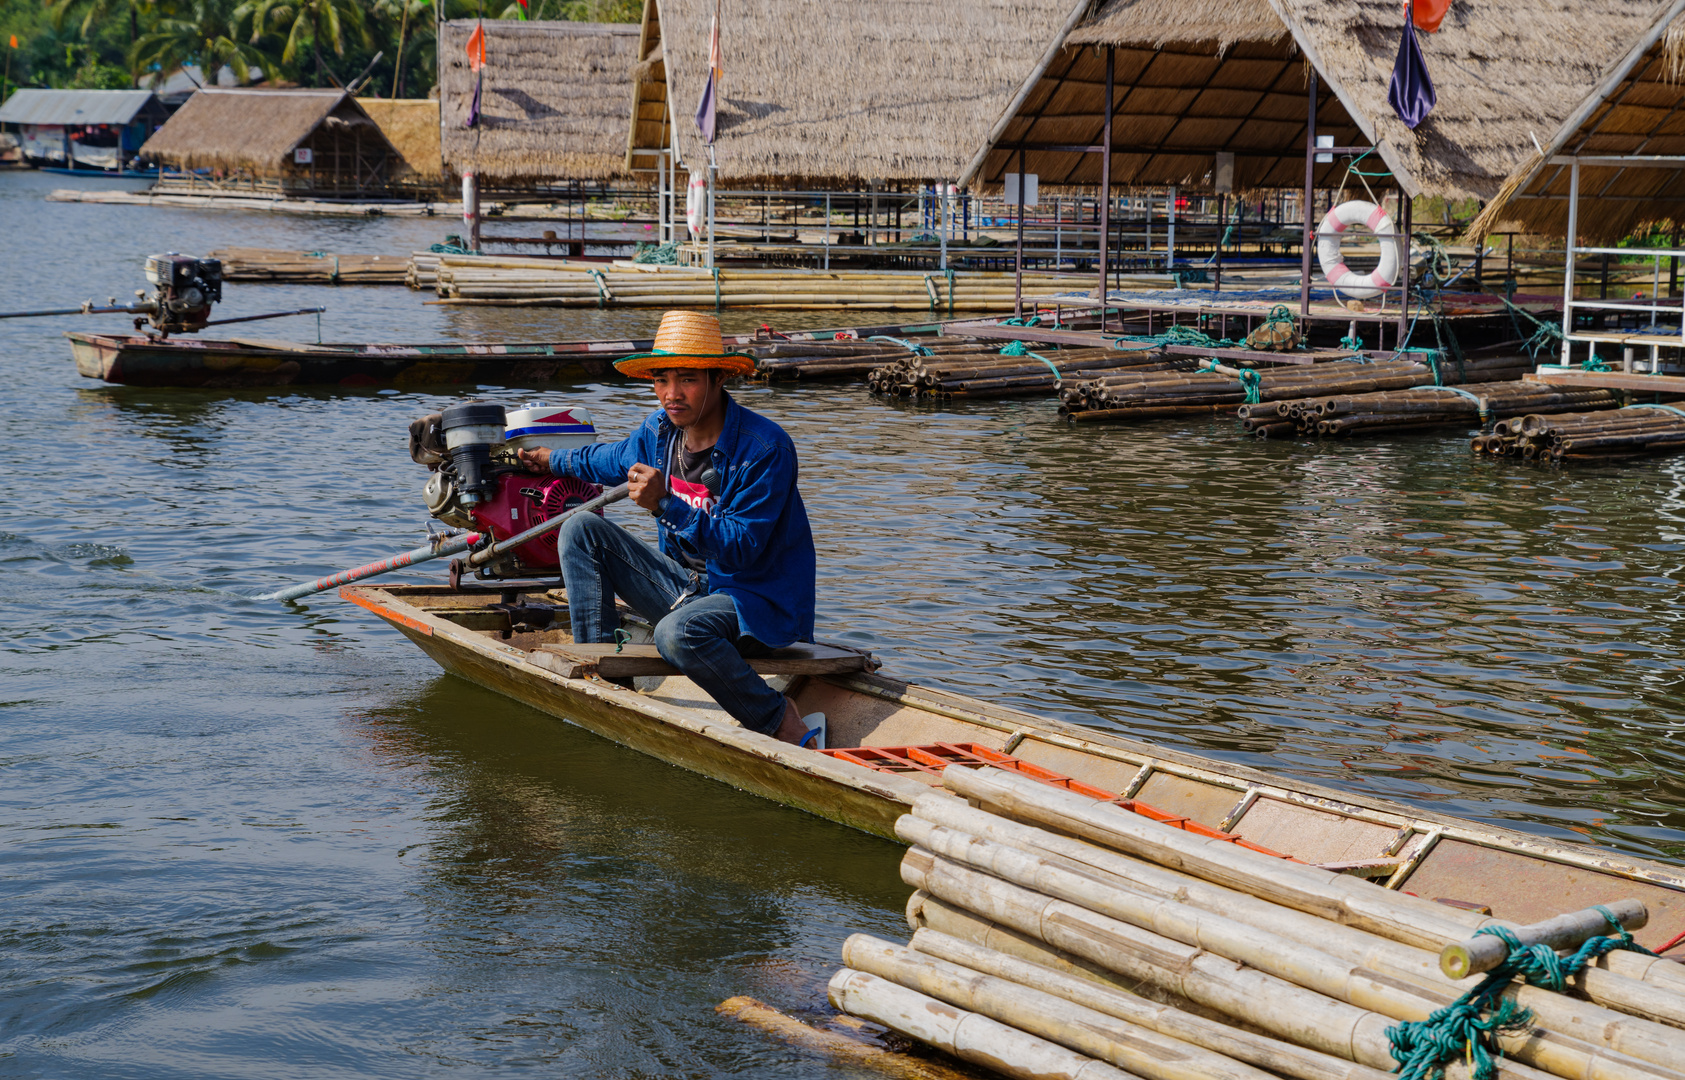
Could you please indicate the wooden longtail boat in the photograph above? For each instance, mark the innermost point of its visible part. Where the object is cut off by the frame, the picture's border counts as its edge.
(138, 360)
(889, 740)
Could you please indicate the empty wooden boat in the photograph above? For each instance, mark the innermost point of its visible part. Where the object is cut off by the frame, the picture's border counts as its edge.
(889, 741)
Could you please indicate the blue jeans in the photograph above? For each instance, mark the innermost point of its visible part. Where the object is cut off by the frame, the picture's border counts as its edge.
(702, 638)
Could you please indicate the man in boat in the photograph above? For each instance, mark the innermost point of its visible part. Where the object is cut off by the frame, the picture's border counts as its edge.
(734, 573)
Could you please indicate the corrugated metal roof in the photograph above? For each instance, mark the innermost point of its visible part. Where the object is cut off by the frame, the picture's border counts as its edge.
(74, 106)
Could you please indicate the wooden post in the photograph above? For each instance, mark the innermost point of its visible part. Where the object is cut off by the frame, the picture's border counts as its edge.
(1309, 231)
(1018, 263)
(1106, 179)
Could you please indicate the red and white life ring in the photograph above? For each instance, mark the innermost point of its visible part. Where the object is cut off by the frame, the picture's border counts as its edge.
(696, 204)
(1358, 286)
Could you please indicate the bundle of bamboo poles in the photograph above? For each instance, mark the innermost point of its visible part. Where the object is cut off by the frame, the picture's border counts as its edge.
(1628, 432)
(264, 264)
(1143, 396)
(986, 372)
(1342, 415)
(1060, 936)
(423, 270)
(842, 359)
(560, 283)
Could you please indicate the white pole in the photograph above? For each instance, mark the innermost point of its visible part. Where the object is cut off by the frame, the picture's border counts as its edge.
(944, 211)
(713, 181)
(1573, 239)
(1170, 238)
(471, 210)
(827, 230)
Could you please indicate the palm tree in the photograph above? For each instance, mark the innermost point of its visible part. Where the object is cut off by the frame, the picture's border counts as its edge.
(314, 21)
(202, 32)
(98, 10)
(403, 9)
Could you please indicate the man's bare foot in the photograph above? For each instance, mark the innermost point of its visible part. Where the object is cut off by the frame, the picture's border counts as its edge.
(791, 729)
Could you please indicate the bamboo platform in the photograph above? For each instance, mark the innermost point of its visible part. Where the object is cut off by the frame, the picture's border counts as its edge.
(315, 267)
(511, 281)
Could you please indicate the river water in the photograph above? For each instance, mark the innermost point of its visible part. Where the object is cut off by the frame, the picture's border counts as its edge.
(238, 838)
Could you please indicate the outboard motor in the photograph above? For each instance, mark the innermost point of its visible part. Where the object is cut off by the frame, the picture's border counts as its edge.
(472, 432)
(183, 289)
(478, 482)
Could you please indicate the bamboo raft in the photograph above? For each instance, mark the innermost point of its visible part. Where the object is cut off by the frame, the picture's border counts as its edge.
(1603, 436)
(1343, 415)
(497, 280)
(315, 267)
(988, 372)
(1150, 395)
(1064, 931)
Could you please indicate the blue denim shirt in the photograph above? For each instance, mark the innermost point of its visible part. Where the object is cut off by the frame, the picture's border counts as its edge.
(756, 539)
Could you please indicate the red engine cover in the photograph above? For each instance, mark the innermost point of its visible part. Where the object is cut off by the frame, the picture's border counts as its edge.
(524, 500)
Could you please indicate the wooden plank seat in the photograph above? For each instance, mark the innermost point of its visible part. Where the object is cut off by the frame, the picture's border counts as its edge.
(610, 661)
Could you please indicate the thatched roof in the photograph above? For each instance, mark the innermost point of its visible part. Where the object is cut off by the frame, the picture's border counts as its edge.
(1638, 109)
(1191, 78)
(244, 128)
(868, 90)
(555, 105)
(411, 125)
(1505, 72)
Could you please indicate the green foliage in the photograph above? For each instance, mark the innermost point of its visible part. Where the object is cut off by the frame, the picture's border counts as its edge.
(106, 43)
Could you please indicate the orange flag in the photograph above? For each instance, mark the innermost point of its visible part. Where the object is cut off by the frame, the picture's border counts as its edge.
(14, 41)
(477, 49)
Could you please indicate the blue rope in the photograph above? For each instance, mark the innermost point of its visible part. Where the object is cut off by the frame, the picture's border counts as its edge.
(1664, 408)
(1422, 1047)
(1017, 348)
(1480, 402)
(911, 346)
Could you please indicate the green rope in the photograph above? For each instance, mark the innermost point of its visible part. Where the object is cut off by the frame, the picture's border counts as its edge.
(1545, 335)
(657, 254)
(1422, 1047)
(1352, 341)
(602, 287)
(1251, 383)
(716, 271)
(621, 639)
(1017, 348)
(1595, 363)
(950, 274)
(1028, 320)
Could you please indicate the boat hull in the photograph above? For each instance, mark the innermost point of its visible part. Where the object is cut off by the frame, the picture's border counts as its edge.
(1518, 877)
(191, 362)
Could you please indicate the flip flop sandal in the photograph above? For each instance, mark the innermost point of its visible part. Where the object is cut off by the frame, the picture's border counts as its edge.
(815, 738)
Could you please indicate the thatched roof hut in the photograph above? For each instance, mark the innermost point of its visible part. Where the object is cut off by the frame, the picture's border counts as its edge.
(1191, 79)
(555, 104)
(819, 93)
(411, 125)
(1637, 108)
(302, 140)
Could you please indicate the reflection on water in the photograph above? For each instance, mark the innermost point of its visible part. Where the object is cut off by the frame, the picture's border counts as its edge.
(245, 840)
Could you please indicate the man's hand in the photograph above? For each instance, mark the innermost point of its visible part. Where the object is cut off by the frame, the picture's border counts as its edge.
(537, 461)
(645, 486)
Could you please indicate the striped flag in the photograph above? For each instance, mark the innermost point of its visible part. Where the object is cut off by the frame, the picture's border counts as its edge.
(707, 110)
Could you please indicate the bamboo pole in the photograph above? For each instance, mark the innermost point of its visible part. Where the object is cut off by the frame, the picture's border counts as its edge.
(1471, 956)
(965, 1035)
(1250, 1047)
(841, 1048)
(1336, 897)
(1131, 1046)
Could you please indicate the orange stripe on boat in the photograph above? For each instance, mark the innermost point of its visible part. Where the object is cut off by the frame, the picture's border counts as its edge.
(347, 593)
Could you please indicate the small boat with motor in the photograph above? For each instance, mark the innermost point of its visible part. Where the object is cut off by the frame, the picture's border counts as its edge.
(502, 623)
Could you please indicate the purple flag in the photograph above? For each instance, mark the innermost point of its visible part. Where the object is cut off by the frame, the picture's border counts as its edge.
(707, 108)
(1411, 92)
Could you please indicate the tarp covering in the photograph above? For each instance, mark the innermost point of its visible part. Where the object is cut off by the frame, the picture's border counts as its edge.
(75, 107)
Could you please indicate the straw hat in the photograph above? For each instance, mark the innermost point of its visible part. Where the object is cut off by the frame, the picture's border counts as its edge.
(686, 339)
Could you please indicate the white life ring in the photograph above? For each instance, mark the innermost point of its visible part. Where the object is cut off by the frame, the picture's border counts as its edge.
(696, 203)
(1358, 286)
